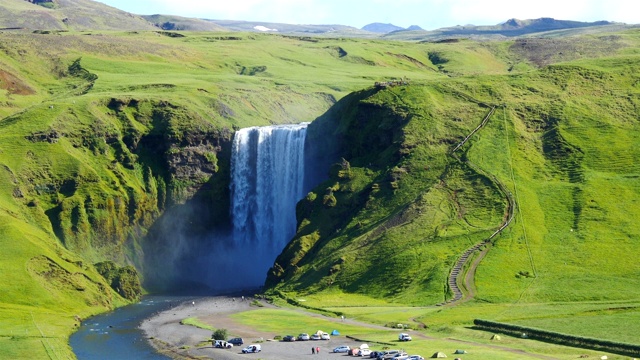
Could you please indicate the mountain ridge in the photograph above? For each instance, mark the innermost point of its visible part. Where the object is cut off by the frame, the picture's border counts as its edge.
(82, 15)
(68, 15)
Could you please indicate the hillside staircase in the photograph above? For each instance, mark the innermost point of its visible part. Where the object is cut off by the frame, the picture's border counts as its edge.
(457, 270)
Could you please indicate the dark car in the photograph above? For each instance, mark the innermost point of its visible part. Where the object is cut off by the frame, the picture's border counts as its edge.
(289, 338)
(236, 341)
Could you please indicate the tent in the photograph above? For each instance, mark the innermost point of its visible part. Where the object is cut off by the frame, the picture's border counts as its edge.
(335, 332)
(495, 337)
(438, 355)
(460, 352)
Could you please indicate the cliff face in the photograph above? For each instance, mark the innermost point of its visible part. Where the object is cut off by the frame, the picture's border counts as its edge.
(103, 182)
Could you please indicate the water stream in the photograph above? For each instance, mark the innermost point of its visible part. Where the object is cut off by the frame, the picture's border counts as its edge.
(115, 335)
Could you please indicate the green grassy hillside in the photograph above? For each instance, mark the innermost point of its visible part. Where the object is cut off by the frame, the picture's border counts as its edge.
(65, 15)
(398, 210)
(107, 136)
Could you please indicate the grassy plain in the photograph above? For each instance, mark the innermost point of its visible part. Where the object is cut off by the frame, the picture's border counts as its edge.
(561, 141)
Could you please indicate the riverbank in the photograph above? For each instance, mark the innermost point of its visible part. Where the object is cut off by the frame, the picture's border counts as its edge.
(178, 341)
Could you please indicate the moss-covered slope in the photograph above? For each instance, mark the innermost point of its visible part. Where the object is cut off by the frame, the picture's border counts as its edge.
(398, 209)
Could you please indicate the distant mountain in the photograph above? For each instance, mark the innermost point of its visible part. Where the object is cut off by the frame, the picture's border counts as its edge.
(171, 22)
(260, 26)
(381, 28)
(516, 26)
(67, 15)
(509, 28)
(414, 28)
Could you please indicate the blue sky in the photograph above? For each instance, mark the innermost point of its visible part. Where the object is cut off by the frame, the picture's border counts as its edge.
(428, 14)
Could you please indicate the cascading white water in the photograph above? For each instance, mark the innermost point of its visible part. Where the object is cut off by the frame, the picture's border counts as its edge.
(267, 180)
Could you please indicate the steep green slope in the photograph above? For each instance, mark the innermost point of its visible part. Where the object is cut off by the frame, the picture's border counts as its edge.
(398, 210)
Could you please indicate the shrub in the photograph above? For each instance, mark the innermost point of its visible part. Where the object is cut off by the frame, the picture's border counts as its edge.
(220, 334)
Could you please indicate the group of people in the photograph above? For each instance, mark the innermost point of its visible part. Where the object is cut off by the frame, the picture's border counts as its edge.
(315, 350)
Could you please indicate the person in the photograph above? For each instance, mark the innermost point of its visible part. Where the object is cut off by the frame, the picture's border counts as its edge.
(318, 350)
(313, 350)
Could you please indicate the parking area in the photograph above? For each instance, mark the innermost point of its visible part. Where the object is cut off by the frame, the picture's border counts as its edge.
(275, 350)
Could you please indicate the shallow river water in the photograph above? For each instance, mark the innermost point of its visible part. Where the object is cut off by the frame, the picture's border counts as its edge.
(115, 335)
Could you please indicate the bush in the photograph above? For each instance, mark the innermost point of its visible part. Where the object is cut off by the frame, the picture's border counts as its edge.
(220, 334)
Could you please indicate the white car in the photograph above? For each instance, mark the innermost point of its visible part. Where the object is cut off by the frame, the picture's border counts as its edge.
(415, 357)
(404, 337)
(364, 352)
(254, 348)
(325, 336)
(221, 344)
(341, 349)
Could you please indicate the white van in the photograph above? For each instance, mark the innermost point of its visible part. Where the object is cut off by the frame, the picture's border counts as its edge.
(404, 337)
(253, 348)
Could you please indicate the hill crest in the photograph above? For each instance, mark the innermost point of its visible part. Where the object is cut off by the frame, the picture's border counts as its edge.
(381, 28)
(67, 15)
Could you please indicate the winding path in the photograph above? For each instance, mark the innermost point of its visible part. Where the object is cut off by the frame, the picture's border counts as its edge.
(458, 269)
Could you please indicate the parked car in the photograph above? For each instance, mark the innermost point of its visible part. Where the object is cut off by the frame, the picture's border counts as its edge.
(404, 337)
(289, 338)
(325, 336)
(341, 349)
(364, 352)
(221, 344)
(236, 341)
(254, 348)
(303, 337)
(388, 354)
(399, 356)
(315, 337)
(415, 357)
(375, 354)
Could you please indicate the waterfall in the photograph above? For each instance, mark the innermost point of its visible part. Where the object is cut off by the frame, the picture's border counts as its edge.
(267, 180)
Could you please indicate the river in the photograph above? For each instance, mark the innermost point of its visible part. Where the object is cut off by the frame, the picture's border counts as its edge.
(115, 335)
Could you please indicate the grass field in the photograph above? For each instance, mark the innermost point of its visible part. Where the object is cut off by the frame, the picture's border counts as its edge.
(78, 186)
(444, 338)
